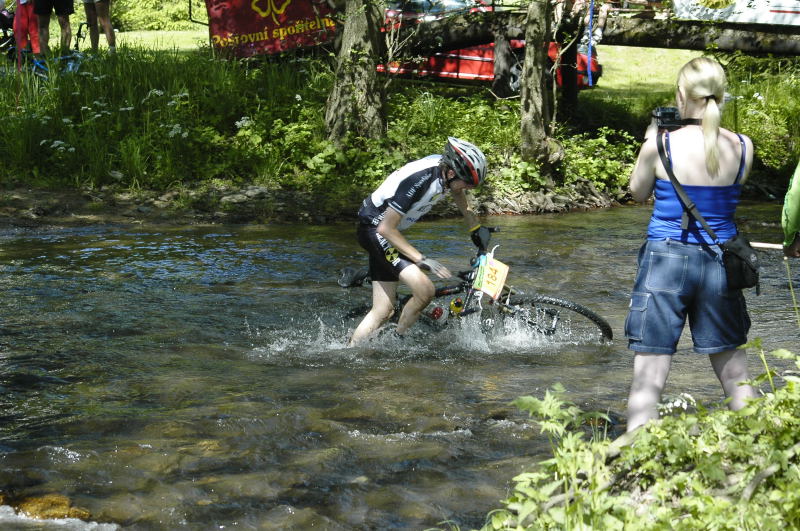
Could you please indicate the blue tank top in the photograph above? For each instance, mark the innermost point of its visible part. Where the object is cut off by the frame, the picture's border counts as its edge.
(717, 204)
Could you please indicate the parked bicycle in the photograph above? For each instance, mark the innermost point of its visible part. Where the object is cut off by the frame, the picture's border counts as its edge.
(26, 61)
(482, 291)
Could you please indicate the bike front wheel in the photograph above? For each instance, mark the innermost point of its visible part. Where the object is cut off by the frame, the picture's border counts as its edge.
(559, 318)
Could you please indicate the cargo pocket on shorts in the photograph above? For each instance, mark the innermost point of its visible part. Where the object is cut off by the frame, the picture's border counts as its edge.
(634, 322)
(666, 272)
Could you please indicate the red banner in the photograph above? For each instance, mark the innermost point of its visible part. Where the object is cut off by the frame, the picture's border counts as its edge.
(252, 27)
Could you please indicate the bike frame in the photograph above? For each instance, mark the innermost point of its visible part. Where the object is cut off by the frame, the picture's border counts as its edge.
(545, 306)
(473, 296)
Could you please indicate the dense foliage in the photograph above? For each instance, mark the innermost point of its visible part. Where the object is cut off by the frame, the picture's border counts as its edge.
(190, 120)
(139, 15)
(193, 120)
(703, 469)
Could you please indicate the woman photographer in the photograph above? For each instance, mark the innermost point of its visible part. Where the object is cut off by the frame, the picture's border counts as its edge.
(680, 270)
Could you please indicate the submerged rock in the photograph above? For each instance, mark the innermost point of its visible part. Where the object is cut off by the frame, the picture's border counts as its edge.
(252, 203)
(51, 506)
(288, 517)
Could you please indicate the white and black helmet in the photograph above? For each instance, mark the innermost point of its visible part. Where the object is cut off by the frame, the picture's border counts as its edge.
(466, 160)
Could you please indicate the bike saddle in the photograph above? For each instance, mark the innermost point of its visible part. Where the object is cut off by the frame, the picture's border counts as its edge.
(350, 276)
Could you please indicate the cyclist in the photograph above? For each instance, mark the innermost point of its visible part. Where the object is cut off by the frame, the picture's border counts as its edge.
(402, 199)
(790, 218)
(63, 9)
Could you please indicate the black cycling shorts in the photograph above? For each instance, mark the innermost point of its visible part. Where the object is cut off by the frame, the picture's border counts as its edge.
(385, 262)
(62, 8)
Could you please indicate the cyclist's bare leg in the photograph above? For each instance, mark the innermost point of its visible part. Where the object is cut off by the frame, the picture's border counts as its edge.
(104, 17)
(44, 33)
(66, 32)
(650, 373)
(383, 297)
(731, 369)
(91, 23)
(422, 292)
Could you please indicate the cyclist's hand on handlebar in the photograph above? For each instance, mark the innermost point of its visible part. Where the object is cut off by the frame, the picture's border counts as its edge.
(481, 235)
(429, 264)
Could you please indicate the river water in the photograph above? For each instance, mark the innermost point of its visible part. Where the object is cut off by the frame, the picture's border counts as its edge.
(198, 378)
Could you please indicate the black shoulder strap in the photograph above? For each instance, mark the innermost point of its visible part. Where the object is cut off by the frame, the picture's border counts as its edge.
(742, 159)
(688, 205)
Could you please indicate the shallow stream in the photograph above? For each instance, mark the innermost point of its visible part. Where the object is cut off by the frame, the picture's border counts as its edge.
(198, 378)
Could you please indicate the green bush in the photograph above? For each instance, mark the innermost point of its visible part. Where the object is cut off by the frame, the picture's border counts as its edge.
(605, 158)
(766, 107)
(170, 118)
(709, 469)
(139, 15)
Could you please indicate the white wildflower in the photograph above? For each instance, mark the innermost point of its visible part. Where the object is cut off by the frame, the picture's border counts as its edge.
(153, 92)
(245, 121)
(175, 131)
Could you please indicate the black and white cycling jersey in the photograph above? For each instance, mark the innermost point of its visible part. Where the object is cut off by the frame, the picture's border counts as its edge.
(411, 190)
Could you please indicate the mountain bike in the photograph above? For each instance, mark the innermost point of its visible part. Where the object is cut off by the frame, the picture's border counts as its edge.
(482, 292)
(26, 61)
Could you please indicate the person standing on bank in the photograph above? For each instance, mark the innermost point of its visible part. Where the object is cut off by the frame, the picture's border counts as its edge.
(681, 272)
(790, 217)
(26, 30)
(100, 10)
(401, 200)
(63, 9)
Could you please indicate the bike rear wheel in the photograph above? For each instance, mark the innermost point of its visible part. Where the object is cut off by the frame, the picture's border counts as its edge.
(560, 318)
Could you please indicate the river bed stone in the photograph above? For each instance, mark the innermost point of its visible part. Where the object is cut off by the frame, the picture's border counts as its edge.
(247, 204)
(50, 506)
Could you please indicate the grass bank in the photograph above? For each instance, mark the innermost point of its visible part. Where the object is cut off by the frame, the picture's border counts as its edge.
(170, 116)
(696, 468)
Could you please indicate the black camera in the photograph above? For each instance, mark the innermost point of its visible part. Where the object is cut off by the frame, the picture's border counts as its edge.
(668, 118)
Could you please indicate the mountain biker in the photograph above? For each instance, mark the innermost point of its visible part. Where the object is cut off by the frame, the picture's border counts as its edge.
(63, 9)
(790, 217)
(402, 199)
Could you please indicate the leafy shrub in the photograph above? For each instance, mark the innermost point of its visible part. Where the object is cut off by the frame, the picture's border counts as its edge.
(139, 15)
(192, 118)
(766, 107)
(605, 159)
(694, 470)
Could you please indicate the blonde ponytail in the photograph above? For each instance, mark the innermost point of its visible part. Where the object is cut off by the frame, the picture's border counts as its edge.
(711, 120)
(702, 78)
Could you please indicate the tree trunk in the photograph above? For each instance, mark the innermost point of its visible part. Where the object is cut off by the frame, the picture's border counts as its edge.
(535, 112)
(504, 61)
(569, 74)
(355, 104)
(463, 31)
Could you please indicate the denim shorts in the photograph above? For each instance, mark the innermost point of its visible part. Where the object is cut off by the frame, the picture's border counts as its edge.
(676, 280)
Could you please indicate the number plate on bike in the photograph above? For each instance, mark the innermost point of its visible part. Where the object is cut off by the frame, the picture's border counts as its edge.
(491, 277)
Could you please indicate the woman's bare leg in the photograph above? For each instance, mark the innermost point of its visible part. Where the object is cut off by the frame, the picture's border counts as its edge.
(731, 369)
(650, 373)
